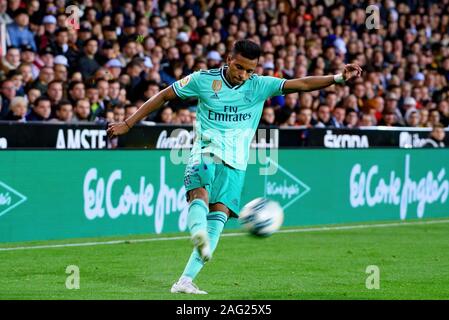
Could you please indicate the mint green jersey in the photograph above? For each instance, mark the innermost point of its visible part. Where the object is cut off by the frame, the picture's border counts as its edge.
(227, 116)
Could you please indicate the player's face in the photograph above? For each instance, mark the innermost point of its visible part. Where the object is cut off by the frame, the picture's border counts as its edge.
(240, 69)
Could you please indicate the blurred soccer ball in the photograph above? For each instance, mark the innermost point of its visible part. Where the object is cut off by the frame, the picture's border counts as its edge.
(261, 217)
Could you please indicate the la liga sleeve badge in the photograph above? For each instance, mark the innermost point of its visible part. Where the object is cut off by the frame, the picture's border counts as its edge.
(184, 81)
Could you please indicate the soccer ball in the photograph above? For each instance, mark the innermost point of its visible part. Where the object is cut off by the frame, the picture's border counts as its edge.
(261, 217)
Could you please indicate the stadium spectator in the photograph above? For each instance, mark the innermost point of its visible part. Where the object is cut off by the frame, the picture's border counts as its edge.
(17, 79)
(304, 117)
(122, 96)
(61, 73)
(164, 115)
(76, 91)
(107, 51)
(115, 68)
(145, 47)
(46, 58)
(11, 61)
(128, 52)
(443, 108)
(331, 99)
(60, 60)
(55, 92)
(8, 91)
(32, 95)
(4, 16)
(170, 67)
(113, 91)
(93, 96)
(434, 118)
(436, 137)
(291, 101)
(87, 64)
(391, 107)
(17, 110)
(134, 70)
(49, 22)
(389, 119)
(109, 116)
(350, 102)
(81, 111)
(119, 113)
(84, 34)
(192, 114)
(424, 118)
(213, 59)
(63, 112)
(130, 109)
(102, 86)
(338, 117)
(151, 89)
(25, 70)
(60, 45)
(305, 100)
(412, 118)
(351, 119)
(19, 32)
(409, 103)
(41, 110)
(182, 116)
(366, 120)
(46, 75)
(28, 56)
(268, 117)
(286, 118)
(323, 116)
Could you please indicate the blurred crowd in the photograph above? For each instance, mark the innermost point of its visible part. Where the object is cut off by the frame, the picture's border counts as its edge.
(104, 65)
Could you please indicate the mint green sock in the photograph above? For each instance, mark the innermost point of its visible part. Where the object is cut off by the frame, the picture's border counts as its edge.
(197, 216)
(215, 223)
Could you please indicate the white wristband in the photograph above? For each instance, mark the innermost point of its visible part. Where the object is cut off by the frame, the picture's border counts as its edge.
(338, 78)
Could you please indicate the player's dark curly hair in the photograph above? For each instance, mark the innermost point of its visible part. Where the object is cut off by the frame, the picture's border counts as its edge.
(247, 49)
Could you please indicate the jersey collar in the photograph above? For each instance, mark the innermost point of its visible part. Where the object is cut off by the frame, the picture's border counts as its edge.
(222, 73)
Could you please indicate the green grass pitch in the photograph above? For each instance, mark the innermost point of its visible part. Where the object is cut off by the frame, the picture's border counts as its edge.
(413, 260)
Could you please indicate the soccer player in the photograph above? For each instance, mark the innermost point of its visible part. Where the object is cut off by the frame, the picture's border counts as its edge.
(230, 104)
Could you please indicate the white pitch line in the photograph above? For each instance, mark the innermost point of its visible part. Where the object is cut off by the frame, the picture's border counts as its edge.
(334, 228)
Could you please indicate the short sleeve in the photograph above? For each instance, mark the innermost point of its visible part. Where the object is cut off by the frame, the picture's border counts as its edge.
(188, 86)
(271, 86)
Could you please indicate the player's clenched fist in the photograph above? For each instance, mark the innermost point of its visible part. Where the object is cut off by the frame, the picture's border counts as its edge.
(117, 129)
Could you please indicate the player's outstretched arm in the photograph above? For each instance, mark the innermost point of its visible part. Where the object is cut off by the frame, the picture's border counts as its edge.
(350, 71)
(154, 103)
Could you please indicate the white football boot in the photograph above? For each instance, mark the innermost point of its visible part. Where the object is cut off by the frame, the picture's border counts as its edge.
(185, 285)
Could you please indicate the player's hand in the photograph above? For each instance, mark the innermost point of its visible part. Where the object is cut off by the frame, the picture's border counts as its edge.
(117, 129)
(351, 71)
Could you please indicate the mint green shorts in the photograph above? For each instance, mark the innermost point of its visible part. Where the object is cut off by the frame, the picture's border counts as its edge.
(223, 183)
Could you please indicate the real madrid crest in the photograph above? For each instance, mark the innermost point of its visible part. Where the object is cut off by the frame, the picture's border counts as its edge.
(216, 86)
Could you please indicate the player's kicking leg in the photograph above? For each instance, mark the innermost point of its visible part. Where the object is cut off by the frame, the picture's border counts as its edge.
(215, 224)
(197, 223)
(208, 181)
